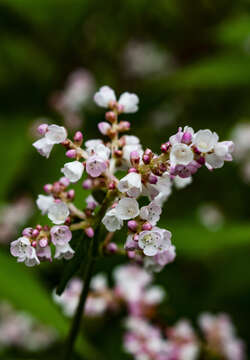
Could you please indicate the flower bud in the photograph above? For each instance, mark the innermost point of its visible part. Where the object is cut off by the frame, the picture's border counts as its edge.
(71, 194)
(112, 248)
(48, 188)
(87, 184)
(134, 158)
(64, 181)
(186, 138)
(132, 170)
(124, 126)
(71, 153)
(78, 137)
(104, 127)
(165, 147)
(146, 226)
(152, 179)
(42, 129)
(110, 116)
(89, 232)
(132, 225)
(35, 233)
(27, 231)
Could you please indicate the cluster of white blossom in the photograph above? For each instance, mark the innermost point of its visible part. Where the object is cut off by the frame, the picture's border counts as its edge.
(146, 174)
(146, 336)
(19, 329)
(132, 288)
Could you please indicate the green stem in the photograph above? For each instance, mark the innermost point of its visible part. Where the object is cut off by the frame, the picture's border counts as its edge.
(74, 331)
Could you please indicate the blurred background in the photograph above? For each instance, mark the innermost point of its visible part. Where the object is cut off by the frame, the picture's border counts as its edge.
(189, 63)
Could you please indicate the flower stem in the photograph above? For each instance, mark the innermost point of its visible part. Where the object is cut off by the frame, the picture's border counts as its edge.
(74, 331)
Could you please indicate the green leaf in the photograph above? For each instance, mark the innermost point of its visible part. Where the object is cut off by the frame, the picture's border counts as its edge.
(17, 155)
(218, 72)
(197, 241)
(22, 288)
(234, 32)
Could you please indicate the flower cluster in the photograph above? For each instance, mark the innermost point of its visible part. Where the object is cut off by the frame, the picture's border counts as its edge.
(96, 163)
(146, 336)
(132, 288)
(18, 329)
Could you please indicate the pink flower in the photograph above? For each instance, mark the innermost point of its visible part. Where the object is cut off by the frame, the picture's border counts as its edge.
(60, 235)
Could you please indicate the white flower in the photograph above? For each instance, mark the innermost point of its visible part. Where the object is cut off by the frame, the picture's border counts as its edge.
(104, 96)
(154, 241)
(180, 183)
(32, 260)
(181, 154)
(131, 140)
(43, 147)
(127, 209)
(91, 144)
(131, 184)
(55, 134)
(205, 140)
(44, 202)
(129, 102)
(64, 252)
(22, 249)
(213, 161)
(151, 213)
(127, 149)
(154, 295)
(99, 283)
(58, 213)
(111, 221)
(73, 170)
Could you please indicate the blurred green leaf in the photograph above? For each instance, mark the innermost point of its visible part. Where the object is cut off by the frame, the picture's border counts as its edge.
(17, 152)
(217, 72)
(197, 241)
(22, 288)
(234, 32)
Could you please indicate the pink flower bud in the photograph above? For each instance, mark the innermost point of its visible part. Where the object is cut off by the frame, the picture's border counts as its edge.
(42, 129)
(89, 232)
(64, 181)
(146, 159)
(132, 225)
(131, 170)
(104, 127)
(148, 152)
(33, 244)
(165, 147)
(152, 179)
(110, 116)
(134, 158)
(48, 188)
(57, 187)
(124, 126)
(112, 186)
(146, 226)
(135, 237)
(120, 108)
(78, 137)
(71, 153)
(43, 242)
(87, 184)
(35, 233)
(27, 232)
(46, 228)
(186, 138)
(131, 254)
(112, 248)
(71, 194)
(68, 221)
(39, 227)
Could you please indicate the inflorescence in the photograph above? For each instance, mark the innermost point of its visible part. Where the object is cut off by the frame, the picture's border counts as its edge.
(98, 164)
